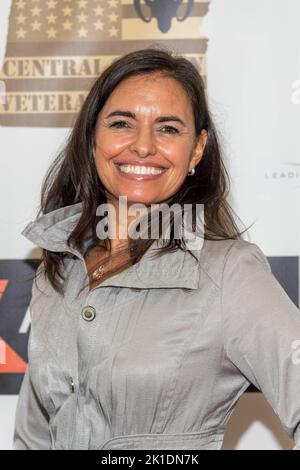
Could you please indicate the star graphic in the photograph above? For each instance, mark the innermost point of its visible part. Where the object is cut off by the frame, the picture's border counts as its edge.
(67, 25)
(82, 32)
(113, 31)
(67, 11)
(36, 26)
(36, 11)
(21, 33)
(113, 17)
(51, 4)
(51, 33)
(82, 18)
(20, 5)
(82, 3)
(51, 18)
(113, 3)
(98, 11)
(21, 19)
(98, 25)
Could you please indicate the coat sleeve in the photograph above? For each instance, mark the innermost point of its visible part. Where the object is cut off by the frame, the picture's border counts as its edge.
(261, 332)
(31, 430)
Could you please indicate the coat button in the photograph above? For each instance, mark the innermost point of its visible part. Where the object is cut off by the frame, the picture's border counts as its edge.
(72, 385)
(88, 313)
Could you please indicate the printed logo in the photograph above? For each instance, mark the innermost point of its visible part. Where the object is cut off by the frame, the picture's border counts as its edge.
(15, 293)
(56, 49)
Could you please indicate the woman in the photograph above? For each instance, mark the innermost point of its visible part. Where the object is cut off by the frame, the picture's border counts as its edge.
(148, 342)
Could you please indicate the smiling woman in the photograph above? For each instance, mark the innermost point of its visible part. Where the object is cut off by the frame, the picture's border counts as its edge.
(155, 351)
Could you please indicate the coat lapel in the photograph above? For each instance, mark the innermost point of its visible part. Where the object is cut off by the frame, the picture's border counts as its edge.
(177, 269)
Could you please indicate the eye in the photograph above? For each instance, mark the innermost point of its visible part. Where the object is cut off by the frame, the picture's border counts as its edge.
(118, 124)
(171, 129)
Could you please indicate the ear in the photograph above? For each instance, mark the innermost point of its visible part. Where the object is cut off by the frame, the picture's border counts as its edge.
(198, 149)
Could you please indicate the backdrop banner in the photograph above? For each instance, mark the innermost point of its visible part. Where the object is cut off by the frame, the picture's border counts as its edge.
(248, 53)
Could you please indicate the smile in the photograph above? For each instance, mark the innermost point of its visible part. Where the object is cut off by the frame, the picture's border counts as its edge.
(140, 171)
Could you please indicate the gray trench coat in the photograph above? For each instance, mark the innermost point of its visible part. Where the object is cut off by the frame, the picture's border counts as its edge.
(155, 357)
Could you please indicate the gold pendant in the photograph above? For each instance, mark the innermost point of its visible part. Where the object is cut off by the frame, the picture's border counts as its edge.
(98, 272)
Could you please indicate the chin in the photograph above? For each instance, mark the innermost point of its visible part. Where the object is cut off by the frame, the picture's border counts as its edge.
(141, 199)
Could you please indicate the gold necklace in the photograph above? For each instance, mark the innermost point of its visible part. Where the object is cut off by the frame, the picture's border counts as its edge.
(98, 272)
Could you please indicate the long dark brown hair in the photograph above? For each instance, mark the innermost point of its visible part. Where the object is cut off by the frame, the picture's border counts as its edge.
(72, 177)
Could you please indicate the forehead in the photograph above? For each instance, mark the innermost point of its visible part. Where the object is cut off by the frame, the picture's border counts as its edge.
(153, 90)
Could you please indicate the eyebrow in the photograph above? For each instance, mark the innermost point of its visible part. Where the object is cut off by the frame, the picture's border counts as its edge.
(119, 112)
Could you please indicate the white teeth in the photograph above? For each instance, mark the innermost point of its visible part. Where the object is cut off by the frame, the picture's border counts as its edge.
(141, 170)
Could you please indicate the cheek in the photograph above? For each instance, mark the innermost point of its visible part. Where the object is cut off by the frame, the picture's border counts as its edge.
(176, 153)
(110, 145)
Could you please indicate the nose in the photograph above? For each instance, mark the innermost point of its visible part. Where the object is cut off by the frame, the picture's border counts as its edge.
(143, 144)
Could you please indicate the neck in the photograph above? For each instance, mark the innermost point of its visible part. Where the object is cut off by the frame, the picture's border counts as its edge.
(119, 220)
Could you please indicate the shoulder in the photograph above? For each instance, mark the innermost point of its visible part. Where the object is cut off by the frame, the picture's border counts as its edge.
(220, 255)
(42, 291)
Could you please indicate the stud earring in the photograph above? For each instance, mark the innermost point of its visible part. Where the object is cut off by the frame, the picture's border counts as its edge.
(192, 172)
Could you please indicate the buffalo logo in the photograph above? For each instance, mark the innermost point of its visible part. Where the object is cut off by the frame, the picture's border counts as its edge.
(164, 11)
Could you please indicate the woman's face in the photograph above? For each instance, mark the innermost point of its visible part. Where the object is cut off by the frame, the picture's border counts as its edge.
(145, 139)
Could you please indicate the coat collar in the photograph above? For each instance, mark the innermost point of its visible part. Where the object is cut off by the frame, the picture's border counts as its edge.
(177, 269)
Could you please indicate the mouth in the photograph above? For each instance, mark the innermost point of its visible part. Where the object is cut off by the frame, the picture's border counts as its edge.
(140, 172)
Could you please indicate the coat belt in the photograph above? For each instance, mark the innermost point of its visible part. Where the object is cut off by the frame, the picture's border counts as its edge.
(211, 439)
